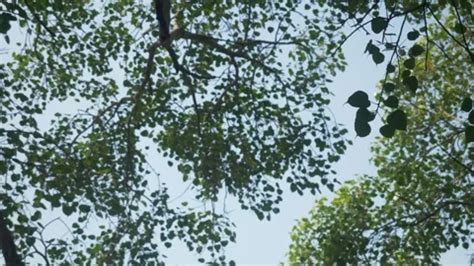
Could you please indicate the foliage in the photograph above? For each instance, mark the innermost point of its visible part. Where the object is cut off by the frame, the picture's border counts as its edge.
(233, 95)
(235, 98)
(420, 204)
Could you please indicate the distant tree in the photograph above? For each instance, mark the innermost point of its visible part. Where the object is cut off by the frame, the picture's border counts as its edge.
(421, 202)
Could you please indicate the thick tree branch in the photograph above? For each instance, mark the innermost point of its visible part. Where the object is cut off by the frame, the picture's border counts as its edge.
(38, 19)
(7, 244)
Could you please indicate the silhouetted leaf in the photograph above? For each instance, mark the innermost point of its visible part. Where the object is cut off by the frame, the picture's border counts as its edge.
(416, 50)
(466, 105)
(364, 115)
(411, 83)
(469, 134)
(379, 24)
(387, 131)
(390, 68)
(409, 63)
(413, 35)
(389, 87)
(362, 128)
(397, 119)
(378, 58)
(359, 99)
(391, 101)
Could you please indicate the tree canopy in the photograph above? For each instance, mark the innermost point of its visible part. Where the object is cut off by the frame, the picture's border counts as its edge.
(232, 93)
(421, 202)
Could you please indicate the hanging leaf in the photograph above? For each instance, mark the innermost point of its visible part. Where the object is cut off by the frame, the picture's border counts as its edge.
(378, 58)
(397, 119)
(391, 101)
(416, 50)
(411, 83)
(359, 99)
(466, 105)
(362, 128)
(390, 68)
(469, 134)
(389, 87)
(409, 63)
(364, 115)
(5, 19)
(413, 35)
(379, 24)
(387, 131)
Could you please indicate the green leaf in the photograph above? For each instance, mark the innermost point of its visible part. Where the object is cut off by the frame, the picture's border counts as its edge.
(378, 58)
(390, 68)
(5, 19)
(84, 208)
(413, 35)
(68, 210)
(411, 83)
(388, 87)
(359, 99)
(416, 50)
(391, 101)
(364, 115)
(409, 63)
(471, 117)
(387, 131)
(362, 128)
(379, 24)
(466, 105)
(397, 119)
(36, 216)
(30, 241)
(460, 28)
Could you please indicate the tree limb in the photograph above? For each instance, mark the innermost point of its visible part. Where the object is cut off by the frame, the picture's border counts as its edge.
(7, 244)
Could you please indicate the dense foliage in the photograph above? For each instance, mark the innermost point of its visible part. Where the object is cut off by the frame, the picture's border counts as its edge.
(232, 93)
(421, 202)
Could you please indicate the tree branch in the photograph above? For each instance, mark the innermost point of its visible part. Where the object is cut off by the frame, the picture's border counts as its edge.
(7, 244)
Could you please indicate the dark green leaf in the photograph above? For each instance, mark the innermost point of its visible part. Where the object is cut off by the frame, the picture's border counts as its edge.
(387, 131)
(359, 99)
(471, 117)
(390, 68)
(362, 128)
(379, 24)
(378, 58)
(409, 63)
(413, 35)
(411, 83)
(397, 119)
(460, 28)
(466, 105)
(389, 87)
(84, 208)
(68, 210)
(5, 19)
(364, 115)
(391, 101)
(416, 50)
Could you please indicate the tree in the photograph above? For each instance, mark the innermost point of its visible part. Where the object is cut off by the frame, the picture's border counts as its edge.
(421, 203)
(231, 93)
(235, 100)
